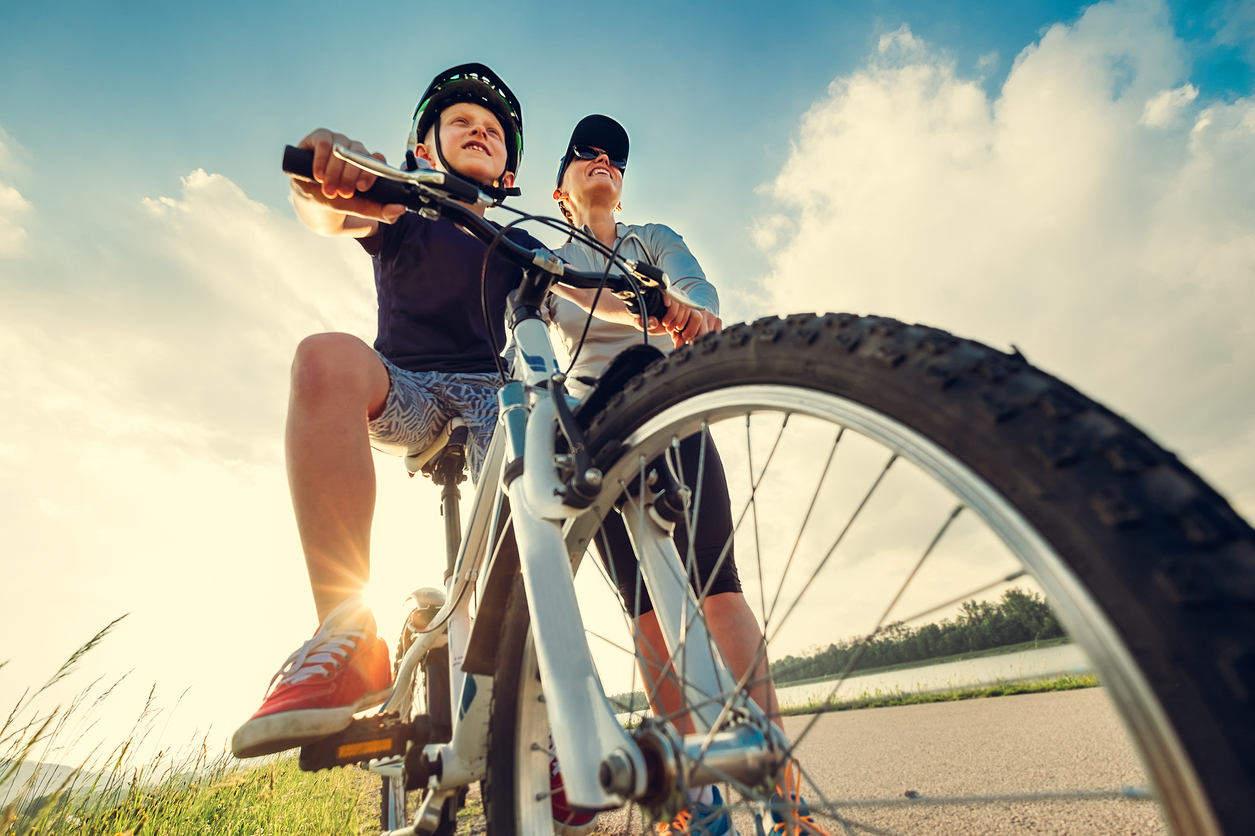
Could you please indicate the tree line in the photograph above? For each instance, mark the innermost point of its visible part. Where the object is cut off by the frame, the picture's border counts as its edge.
(1018, 617)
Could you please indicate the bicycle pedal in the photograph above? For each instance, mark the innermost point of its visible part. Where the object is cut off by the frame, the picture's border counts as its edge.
(365, 739)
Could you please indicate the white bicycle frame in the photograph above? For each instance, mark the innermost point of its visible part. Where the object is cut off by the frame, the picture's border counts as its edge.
(551, 538)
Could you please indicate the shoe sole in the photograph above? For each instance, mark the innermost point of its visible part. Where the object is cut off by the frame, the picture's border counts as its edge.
(293, 729)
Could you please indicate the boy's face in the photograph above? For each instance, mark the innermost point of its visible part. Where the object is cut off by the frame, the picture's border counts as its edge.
(472, 141)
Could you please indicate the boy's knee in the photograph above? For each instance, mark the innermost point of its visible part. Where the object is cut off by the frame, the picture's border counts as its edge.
(329, 362)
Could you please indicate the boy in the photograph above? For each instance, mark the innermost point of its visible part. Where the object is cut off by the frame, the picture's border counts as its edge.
(432, 359)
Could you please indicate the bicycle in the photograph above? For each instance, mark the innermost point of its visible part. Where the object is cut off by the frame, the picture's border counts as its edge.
(1147, 567)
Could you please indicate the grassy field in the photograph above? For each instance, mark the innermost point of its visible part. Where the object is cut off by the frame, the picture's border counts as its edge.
(203, 792)
(212, 793)
(881, 700)
(274, 798)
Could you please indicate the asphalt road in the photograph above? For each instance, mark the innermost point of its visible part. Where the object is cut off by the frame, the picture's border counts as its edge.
(1031, 744)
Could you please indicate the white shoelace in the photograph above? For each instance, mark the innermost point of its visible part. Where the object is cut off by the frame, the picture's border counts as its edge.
(325, 652)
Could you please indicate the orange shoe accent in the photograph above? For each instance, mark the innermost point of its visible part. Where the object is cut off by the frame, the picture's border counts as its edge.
(796, 818)
(680, 824)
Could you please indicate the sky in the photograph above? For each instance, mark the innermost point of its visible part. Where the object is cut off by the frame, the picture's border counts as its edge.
(1070, 179)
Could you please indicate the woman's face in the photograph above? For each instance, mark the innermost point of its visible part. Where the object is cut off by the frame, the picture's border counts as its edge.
(591, 183)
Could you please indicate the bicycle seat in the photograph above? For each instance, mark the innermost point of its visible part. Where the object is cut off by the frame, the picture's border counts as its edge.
(453, 435)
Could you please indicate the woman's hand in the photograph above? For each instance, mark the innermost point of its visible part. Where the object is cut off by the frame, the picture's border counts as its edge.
(686, 324)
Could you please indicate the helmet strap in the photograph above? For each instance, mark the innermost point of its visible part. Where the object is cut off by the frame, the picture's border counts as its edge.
(493, 190)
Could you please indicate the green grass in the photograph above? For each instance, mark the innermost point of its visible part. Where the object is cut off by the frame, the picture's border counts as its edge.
(212, 793)
(276, 798)
(881, 700)
(201, 793)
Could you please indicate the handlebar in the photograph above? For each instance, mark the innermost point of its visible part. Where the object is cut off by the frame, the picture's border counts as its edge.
(299, 162)
(435, 193)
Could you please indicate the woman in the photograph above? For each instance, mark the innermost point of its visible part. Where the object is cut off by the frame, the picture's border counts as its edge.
(589, 186)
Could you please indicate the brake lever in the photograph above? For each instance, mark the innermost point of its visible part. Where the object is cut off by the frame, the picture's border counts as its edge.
(684, 299)
(456, 187)
(650, 276)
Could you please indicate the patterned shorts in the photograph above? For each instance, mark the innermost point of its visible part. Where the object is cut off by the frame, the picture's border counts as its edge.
(419, 404)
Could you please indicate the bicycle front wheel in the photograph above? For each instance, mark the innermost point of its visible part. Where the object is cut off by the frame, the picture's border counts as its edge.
(893, 488)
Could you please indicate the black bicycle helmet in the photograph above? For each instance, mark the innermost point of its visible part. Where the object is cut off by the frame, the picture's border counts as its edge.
(475, 84)
(600, 132)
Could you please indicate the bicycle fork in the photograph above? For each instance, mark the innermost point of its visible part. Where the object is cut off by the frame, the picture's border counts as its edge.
(602, 764)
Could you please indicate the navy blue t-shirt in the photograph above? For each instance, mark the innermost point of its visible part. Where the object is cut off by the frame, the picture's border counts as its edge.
(427, 276)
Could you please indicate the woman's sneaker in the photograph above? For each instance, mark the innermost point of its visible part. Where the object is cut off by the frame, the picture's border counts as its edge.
(791, 817)
(342, 670)
(700, 819)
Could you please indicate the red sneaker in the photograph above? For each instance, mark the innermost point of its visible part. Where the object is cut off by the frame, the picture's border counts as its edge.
(345, 668)
(565, 821)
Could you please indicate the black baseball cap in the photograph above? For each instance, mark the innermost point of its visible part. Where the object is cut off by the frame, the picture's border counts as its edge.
(600, 132)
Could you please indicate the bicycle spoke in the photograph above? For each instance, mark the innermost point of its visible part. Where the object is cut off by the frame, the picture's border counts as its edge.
(845, 672)
(802, 529)
(827, 805)
(611, 575)
(686, 624)
(832, 549)
(610, 642)
(736, 527)
(758, 556)
(945, 526)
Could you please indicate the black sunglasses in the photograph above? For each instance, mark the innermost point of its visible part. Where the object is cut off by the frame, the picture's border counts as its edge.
(588, 152)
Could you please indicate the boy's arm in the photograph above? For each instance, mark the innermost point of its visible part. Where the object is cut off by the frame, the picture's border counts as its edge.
(331, 206)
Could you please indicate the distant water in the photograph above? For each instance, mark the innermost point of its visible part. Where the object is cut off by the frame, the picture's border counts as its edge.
(1060, 660)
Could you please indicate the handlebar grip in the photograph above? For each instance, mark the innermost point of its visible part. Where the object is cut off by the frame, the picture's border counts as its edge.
(459, 189)
(654, 304)
(299, 162)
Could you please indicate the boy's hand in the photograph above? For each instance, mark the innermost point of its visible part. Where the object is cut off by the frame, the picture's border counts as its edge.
(338, 182)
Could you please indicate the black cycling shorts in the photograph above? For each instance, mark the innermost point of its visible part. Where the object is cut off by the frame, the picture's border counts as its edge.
(714, 528)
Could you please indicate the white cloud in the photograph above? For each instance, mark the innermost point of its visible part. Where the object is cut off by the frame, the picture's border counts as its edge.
(12, 207)
(901, 40)
(1165, 108)
(1074, 214)
(189, 338)
(10, 151)
(142, 400)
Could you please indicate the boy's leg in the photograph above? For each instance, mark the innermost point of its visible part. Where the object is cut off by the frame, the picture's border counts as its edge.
(338, 384)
